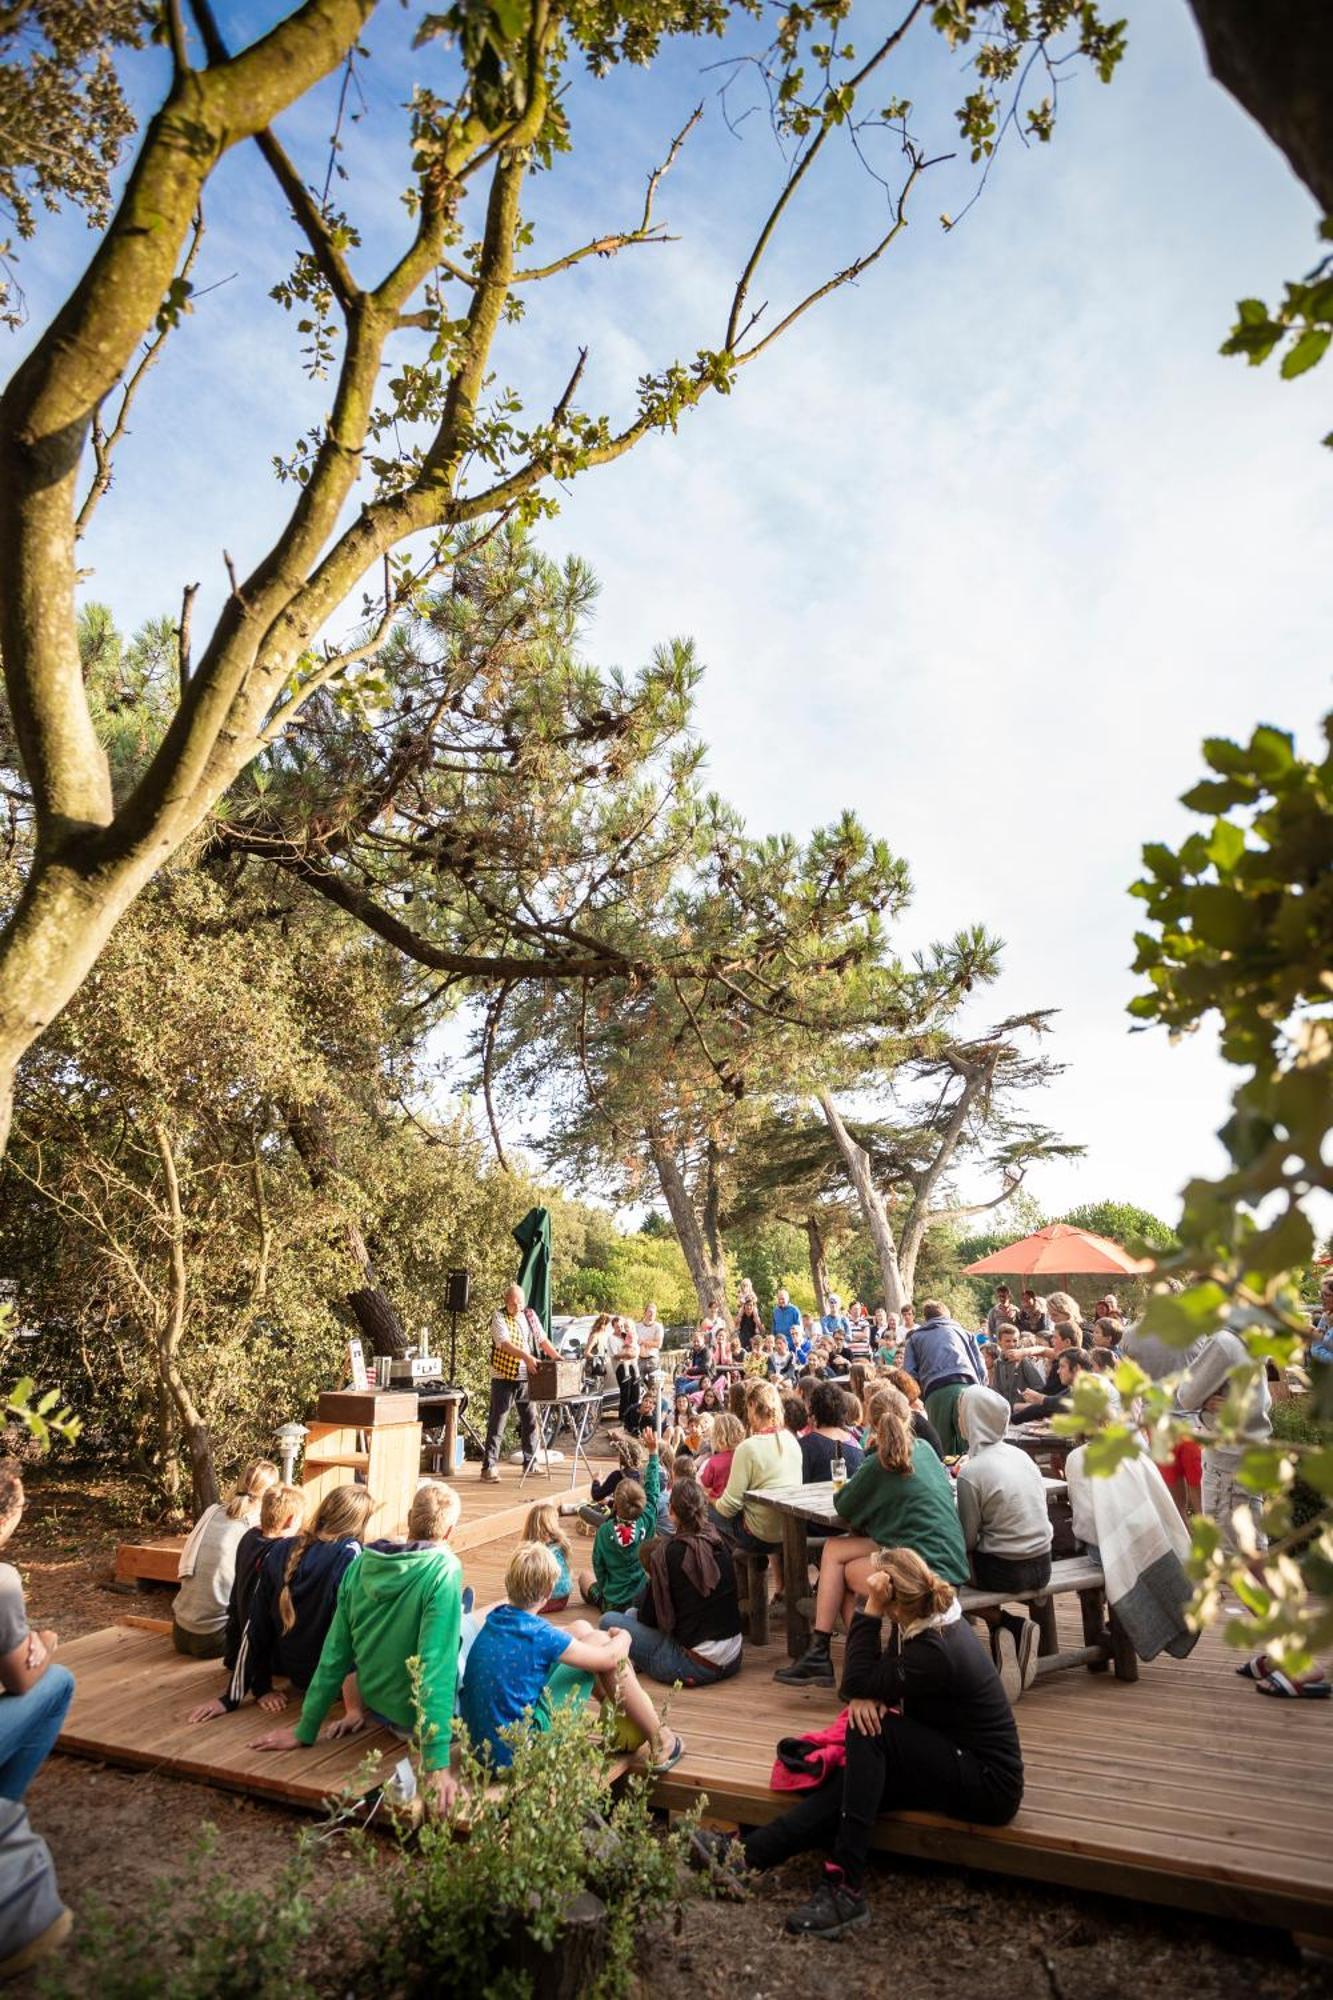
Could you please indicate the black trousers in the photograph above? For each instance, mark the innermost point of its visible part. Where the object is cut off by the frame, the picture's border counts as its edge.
(627, 1380)
(906, 1768)
(504, 1396)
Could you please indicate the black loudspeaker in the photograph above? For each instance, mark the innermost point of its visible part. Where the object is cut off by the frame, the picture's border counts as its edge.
(458, 1289)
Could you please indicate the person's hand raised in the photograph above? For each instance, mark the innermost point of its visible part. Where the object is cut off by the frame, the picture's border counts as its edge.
(649, 1440)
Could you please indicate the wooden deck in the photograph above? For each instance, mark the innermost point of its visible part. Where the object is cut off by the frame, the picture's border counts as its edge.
(1185, 1788)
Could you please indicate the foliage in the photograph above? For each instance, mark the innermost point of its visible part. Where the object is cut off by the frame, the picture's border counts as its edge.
(1302, 326)
(63, 115)
(200, 1937)
(457, 1914)
(631, 1271)
(424, 443)
(1242, 918)
(1123, 1222)
(45, 1419)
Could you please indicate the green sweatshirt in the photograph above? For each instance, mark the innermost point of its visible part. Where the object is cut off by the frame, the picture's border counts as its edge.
(615, 1552)
(913, 1510)
(401, 1601)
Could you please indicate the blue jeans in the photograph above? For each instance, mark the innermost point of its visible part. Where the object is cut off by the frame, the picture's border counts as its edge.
(29, 1726)
(656, 1654)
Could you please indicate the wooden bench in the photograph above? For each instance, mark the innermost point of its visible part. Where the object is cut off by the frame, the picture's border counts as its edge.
(1105, 1643)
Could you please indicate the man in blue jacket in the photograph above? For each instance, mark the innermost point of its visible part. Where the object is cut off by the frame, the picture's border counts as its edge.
(944, 1360)
(786, 1321)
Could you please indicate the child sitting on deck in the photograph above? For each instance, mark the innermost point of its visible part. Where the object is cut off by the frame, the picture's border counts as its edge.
(616, 1580)
(281, 1512)
(716, 1469)
(208, 1565)
(521, 1668)
(293, 1603)
(543, 1525)
(401, 1601)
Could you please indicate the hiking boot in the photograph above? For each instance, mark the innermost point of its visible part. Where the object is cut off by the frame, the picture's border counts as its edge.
(833, 1910)
(813, 1669)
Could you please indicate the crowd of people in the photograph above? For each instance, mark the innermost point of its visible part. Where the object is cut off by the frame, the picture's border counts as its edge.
(932, 1490)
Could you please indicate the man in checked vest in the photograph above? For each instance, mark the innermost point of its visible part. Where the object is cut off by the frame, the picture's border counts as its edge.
(516, 1340)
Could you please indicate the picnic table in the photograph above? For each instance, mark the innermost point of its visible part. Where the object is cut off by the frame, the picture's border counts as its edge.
(1040, 1441)
(801, 1508)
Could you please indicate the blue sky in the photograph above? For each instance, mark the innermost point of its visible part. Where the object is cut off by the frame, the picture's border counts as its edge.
(982, 549)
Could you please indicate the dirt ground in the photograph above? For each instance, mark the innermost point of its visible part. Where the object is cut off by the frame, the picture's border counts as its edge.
(933, 1931)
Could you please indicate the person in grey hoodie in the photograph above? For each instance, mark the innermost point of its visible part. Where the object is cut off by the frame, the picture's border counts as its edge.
(1006, 1528)
(1202, 1388)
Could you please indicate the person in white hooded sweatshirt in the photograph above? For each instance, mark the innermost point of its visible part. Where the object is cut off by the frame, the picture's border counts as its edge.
(1006, 1527)
(1202, 1388)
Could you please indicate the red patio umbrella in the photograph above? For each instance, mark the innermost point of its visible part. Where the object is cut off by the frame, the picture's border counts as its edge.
(1060, 1251)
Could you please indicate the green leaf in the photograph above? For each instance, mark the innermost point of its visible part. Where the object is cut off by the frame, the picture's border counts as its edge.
(1264, 1468)
(1286, 1245)
(1179, 1318)
(1226, 845)
(1316, 1469)
(1305, 352)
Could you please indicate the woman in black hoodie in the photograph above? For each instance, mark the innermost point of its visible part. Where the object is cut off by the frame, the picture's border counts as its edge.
(953, 1749)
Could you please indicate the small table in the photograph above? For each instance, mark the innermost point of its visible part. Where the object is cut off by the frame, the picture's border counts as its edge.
(442, 1409)
(583, 1412)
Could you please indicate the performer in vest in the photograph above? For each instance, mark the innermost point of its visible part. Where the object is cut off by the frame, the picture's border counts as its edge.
(516, 1340)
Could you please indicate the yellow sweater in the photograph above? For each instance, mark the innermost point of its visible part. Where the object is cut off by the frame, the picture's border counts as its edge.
(773, 1458)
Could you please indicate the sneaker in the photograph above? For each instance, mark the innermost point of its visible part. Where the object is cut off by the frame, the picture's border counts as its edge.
(1027, 1653)
(833, 1910)
(490, 1475)
(813, 1669)
(1006, 1659)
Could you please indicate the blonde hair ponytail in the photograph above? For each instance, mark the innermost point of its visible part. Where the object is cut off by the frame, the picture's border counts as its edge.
(254, 1482)
(894, 1436)
(342, 1516)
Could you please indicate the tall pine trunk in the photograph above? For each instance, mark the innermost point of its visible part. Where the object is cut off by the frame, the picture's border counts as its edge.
(871, 1201)
(706, 1268)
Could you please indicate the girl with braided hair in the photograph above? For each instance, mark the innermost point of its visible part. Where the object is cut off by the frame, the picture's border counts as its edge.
(293, 1602)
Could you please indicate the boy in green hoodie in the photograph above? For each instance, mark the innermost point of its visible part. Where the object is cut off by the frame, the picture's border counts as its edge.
(407, 1605)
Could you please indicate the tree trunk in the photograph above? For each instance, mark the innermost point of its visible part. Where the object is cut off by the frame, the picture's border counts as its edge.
(814, 1236)
(873, 1211)
(203, 1473)
(311, 1133)
(1276, 58)
(712, 1205)
(709, 1281)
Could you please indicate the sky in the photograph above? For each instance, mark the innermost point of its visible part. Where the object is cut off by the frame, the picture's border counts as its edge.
(982, 548)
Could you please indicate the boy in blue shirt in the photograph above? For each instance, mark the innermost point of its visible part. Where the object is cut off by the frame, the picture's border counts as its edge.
(522, 1667)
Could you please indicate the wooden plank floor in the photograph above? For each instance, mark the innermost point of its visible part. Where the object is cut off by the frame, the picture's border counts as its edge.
(1185, 1788)
(488, 1511)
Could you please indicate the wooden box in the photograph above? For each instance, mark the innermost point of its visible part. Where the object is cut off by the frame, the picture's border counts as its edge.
(364, 1407)
(554, 1381)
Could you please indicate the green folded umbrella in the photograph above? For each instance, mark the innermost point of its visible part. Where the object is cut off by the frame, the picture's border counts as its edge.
(533, 1237)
